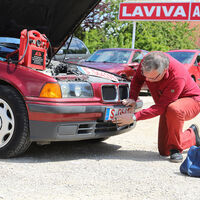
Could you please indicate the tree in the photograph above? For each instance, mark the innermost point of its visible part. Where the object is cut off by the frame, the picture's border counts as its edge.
(163, 36)
(97, 17)
(94, 20)
(102, 29)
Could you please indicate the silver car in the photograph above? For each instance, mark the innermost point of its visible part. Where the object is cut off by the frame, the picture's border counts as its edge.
(76, 51)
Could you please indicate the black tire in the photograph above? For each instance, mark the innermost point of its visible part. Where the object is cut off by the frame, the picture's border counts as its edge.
(14, 124)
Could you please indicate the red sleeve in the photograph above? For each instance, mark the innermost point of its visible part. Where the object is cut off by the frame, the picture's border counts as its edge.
(170, 94)
(136, 84)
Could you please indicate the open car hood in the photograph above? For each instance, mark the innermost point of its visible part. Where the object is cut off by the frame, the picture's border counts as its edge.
(57, 19)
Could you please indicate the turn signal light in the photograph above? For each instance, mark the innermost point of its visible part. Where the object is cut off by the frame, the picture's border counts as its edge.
(51, 90)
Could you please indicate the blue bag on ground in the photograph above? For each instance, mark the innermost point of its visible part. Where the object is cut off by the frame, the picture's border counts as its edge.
(191, 165)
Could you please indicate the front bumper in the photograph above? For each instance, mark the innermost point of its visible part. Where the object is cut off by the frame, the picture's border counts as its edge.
(70, 123)
(73, 131)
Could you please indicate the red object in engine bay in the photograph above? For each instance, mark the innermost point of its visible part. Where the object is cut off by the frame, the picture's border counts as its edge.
(33, 49)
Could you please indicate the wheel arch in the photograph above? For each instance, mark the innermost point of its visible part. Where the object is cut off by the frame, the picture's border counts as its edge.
(2, 82)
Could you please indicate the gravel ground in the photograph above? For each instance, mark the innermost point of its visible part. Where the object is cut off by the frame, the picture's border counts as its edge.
(125, 167)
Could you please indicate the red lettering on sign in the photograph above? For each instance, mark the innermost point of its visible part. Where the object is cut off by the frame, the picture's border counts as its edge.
(112, 114)
(124, 111)
(99, 73)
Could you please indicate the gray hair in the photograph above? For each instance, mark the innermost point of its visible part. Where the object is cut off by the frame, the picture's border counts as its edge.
(155, 61)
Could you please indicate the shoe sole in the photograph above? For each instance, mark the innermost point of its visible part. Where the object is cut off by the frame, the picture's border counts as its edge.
(175, 161)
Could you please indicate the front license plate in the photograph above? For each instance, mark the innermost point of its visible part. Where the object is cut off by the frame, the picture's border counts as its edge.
(111, 113)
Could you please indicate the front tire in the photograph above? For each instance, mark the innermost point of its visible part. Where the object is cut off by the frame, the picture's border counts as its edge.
(14, 124)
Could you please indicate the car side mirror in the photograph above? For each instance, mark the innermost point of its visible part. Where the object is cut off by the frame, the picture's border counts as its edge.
(134, 65)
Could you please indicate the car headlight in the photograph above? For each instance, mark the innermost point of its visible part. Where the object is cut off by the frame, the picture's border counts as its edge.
(76, 89)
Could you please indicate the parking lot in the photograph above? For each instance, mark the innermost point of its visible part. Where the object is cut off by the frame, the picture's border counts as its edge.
(123, 167)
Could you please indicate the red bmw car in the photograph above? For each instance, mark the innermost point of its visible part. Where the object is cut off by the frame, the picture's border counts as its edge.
(191, 60)
(42, 100)
(119, 61)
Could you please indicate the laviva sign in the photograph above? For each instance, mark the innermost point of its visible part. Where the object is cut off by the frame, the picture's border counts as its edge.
(166, 11)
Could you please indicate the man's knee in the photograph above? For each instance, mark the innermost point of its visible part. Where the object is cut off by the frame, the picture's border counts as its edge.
(174, 111)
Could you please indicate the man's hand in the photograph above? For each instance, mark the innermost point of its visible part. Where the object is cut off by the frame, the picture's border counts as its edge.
(129, 102)
(124, 119)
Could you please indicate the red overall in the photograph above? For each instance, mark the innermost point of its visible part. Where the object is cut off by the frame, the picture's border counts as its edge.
(177, 99)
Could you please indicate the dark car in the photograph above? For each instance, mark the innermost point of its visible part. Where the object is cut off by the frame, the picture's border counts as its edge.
(44, 100)
(120, 61)
(72, 51)
(191, 60)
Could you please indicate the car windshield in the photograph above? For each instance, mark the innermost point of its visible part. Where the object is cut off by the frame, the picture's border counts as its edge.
(8, 45)
(183, 57)
(110, 56)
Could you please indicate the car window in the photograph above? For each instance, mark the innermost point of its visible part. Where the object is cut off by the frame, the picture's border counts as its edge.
(73, 48)
(137, 57)
(81, 47)
(182, 56)
(76, 47)
(145, 52)
(110, 56)
(8, 45)
(197, 60)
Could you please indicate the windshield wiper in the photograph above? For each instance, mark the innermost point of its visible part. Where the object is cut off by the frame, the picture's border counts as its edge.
(106, 61)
